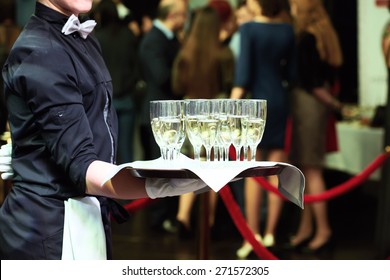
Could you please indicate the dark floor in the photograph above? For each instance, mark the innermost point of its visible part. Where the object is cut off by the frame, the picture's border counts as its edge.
(352, 217)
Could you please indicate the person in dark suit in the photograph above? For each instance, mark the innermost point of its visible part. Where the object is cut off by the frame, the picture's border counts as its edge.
(157, 51)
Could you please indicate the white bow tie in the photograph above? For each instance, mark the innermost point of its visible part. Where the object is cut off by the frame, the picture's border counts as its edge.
(73, 24)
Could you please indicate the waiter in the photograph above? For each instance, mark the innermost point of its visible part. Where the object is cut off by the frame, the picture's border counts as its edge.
(64, 138)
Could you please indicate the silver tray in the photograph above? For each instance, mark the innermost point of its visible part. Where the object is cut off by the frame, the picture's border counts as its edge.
(185, 173)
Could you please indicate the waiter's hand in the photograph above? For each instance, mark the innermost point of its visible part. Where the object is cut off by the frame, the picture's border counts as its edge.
(6, 162)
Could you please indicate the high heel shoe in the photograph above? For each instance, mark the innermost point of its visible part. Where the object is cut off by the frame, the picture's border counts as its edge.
(183, 231)
(327, 246)
(246, 249)
(297, 247)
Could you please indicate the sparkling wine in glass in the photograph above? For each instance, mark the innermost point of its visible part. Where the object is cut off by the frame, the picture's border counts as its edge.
(167, 126)
(191, 115)
(193, 133)
(223, 129)
(208, 121)
(257, 113)
(237, 118)
(208, 134)
(156, 126)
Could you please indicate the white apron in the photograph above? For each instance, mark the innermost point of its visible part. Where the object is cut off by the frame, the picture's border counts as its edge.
(84, 237)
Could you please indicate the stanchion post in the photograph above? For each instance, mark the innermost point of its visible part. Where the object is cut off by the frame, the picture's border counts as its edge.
(204, 227)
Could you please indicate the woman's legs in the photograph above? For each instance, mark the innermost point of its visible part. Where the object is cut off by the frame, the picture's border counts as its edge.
(305, 228)
(186, 202)
(316, 185)
(316, 212)
(274, 210)
(275, 203)
(252, 204)
(252, 196)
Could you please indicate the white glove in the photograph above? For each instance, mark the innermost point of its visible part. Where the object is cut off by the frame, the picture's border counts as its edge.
(162, 187)
(6, 162)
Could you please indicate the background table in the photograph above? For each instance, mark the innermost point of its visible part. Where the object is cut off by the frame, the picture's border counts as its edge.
(358, 147)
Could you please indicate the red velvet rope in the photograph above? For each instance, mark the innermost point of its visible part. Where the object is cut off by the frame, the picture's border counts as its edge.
(138, 204)
(239, 220)
(339, 189)
(351, 183)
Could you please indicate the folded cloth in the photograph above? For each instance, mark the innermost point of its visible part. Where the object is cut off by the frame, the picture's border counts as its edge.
(292, 184)
(163, 187)
(216, 174)
(84, 237)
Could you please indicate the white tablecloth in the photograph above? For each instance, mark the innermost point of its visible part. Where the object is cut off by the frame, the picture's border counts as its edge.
(358, 147)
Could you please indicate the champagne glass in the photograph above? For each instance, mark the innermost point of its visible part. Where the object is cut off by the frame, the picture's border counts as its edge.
(167, 125)
(223, 130)
(208, 122)
(191, 113)
(237, 118)
(218, 145)
(155, 112)
(182, 134)
(257, 113)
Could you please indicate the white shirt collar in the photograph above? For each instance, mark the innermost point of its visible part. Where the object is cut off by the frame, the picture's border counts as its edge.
(168, 33)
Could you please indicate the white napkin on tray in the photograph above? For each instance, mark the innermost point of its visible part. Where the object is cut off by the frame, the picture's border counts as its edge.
(216, 174)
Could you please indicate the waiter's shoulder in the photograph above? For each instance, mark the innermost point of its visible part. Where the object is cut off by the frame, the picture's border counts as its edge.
(39, 38)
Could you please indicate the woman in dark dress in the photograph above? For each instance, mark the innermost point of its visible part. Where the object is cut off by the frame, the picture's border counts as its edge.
(319, 54)
(266, 55)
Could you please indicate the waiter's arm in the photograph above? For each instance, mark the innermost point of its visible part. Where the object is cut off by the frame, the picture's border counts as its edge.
(121, 186)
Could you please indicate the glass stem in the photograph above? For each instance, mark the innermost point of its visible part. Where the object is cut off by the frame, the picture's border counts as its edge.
(226, 155)
(253, 153)
(197, 153)
(221, 154)
(208, 152)
(216, 149)
(238, 153)
(245, 152)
